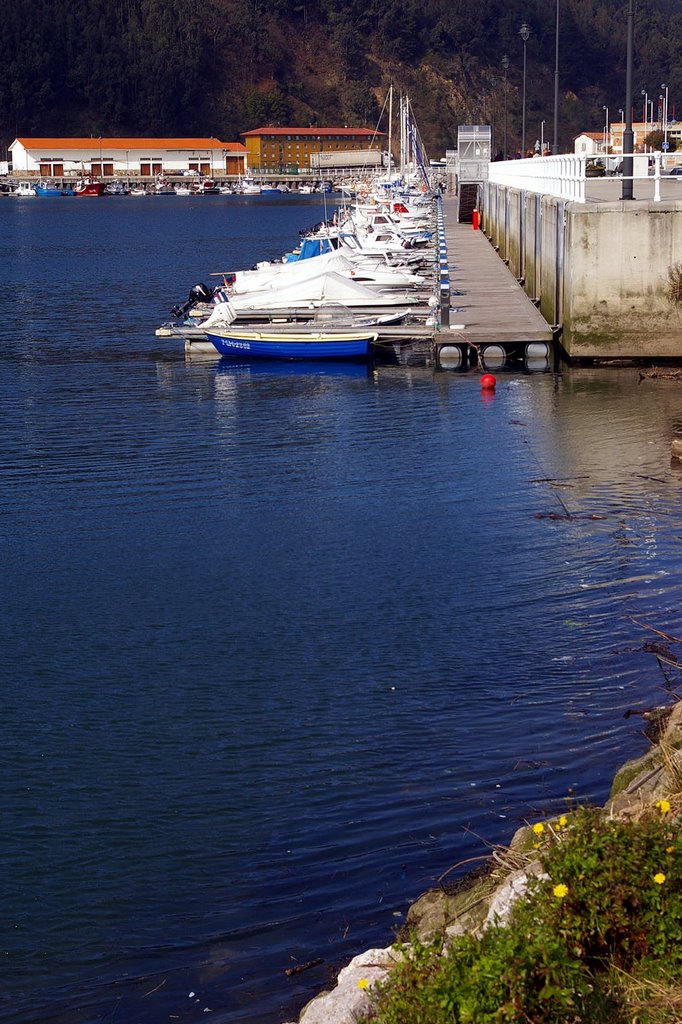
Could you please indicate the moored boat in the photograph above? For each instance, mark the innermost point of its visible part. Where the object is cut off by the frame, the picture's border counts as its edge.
(89, 187)
(48, 190)
(248, 187)
(162, 186)
(115, 188)
(24, 189)
(207, 187)
(299, 343)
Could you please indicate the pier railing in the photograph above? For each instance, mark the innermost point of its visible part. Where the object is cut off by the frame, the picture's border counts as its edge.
(568, 176)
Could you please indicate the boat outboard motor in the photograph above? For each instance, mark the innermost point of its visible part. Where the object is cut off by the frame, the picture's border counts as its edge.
(199, 293)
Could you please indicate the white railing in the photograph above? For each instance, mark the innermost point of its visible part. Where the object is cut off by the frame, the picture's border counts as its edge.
(560, 176)
(566, 176)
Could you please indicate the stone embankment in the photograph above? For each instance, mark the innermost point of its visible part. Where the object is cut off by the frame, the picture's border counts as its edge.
(491, 896)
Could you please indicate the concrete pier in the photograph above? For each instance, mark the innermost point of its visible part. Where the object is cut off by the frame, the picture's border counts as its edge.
(608, 273)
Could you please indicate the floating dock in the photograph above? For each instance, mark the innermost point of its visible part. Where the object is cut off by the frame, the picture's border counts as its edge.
(493, 317)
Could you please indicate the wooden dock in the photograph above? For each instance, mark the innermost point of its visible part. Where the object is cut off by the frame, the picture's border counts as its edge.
(493, 308)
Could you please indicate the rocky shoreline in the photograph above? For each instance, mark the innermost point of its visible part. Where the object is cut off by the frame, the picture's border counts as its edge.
(488, 895)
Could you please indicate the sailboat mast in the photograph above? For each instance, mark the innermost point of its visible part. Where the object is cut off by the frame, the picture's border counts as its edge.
(402, 137)
(390, 127)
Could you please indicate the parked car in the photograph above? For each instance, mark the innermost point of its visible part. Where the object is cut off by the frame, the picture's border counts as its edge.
(675, 170)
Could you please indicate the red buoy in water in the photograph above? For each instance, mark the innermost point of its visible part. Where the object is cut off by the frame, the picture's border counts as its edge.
(488, 382)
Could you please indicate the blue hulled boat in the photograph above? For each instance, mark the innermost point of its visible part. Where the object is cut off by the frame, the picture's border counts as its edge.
(48, 190)
(273, 343)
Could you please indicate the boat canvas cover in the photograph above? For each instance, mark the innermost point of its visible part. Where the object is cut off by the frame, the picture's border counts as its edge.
(276, 275)
(330, 287)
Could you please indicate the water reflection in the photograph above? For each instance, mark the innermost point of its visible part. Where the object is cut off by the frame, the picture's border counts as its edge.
(293, 368)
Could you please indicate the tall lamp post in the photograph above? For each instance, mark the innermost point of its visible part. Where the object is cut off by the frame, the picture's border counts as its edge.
(606, 128)
(665, 117)
(505, 64)
(628, 137)
(542, 138)
(555, 139)
(645, 94)
(524, 32)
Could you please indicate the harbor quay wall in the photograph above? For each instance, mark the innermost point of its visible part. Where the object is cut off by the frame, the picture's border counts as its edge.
(608, 274)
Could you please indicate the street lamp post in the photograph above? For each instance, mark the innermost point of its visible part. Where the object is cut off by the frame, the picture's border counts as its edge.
(555, 139)
(646, 115)
(622, 127)
(627, 191)
(505, 64)
(524, 32)
(542, 138)
(665, 117)
(606, 128)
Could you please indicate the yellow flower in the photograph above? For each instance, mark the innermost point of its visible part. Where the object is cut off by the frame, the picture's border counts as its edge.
(670, 849)
(538, 828)
(562, 822)
(560, 891)
(663, 806)
(363, 983)
(659, 879)
(536, 846)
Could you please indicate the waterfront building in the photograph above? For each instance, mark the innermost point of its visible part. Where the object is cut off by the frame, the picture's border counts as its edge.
(599, 143)
(282, 149)
(56, 158)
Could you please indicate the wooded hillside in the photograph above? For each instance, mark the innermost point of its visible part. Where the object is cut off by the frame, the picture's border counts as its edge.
(165, 67)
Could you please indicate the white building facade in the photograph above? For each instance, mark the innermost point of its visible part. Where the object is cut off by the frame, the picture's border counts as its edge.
(109, 157)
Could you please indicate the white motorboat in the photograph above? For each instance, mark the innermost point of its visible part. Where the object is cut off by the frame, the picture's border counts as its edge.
(248, 187)
(374, 273)
(323, 290)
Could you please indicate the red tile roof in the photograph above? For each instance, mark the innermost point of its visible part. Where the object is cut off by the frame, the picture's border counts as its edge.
(311, 131)
(94, 142)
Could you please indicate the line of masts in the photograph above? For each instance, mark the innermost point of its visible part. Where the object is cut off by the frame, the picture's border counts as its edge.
(412, 152)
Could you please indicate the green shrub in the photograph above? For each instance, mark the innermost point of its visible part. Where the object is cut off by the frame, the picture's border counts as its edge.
(610, 901)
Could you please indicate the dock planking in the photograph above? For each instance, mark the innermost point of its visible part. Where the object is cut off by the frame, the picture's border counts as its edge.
(492, 307)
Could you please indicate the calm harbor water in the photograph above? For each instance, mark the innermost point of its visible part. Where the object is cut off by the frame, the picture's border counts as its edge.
(281, 644)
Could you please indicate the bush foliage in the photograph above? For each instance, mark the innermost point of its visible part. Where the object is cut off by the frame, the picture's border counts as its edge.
(602, 922)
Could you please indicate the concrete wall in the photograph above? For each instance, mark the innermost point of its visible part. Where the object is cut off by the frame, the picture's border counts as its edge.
(609, 273)
(617, 279)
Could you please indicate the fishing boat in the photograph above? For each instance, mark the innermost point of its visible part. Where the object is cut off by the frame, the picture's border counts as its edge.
(24, 189)
(292, 342)
(207, 187)
(115, 188)
(88, 187)
(162, 186)
(48, 190)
